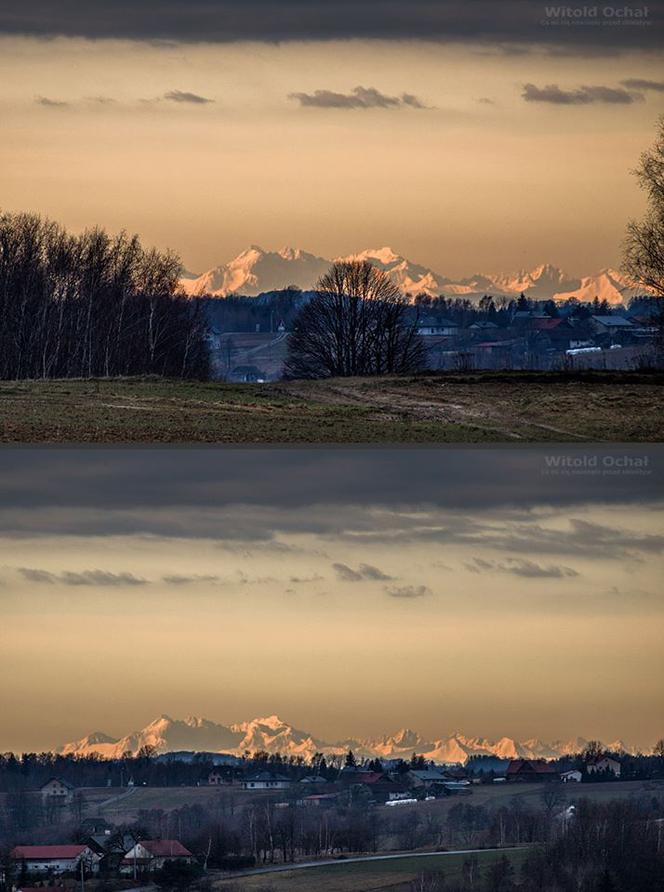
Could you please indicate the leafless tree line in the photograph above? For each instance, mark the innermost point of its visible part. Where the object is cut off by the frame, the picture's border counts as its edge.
(92, 305)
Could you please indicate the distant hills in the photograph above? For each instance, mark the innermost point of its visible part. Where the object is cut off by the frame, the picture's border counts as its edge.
(272, 735)
(256, 271)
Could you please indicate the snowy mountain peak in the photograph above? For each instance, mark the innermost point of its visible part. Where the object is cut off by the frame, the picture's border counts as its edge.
(256, 270)
(273, 735)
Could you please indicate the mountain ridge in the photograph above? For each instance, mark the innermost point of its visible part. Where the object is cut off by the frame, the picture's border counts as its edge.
(273, 735)
(256, 271)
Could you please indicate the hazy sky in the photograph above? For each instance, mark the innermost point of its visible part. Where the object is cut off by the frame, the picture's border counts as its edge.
(349, 591)
(497, 142)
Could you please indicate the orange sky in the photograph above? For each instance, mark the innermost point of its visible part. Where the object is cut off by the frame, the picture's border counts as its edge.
(478, 180)
(245, 588)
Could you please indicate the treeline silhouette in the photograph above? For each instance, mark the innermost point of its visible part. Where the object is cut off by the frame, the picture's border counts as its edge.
(92, 305)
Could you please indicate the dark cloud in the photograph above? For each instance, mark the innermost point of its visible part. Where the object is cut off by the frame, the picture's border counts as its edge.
(86, 577)
(51, 103)
(408, 591)
(637, 83)
(183, 96)
(359, 97)
(370, 572)
(346, 574)
(521, 567)
(175, 21)
(247, 497)
(364, 571)
(555, 95)
(176, 579)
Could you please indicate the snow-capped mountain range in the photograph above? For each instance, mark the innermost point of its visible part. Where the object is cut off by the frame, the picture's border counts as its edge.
(272, 735)
(256, 271)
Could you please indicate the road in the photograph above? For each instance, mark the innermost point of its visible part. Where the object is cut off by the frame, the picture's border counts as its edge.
(303, 865)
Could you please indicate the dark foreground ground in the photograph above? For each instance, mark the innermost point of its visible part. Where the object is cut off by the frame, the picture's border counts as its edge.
(437, 408)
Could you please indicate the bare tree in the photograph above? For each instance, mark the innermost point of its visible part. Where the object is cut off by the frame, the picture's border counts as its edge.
(358, 323)
(644, 244)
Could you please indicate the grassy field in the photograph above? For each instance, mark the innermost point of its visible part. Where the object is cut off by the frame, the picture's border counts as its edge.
(438, 408)
(395, 874)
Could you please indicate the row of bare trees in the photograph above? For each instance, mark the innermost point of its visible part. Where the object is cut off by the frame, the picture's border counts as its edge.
(92, 305)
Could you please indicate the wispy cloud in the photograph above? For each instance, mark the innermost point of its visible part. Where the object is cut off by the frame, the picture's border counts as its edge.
(184, 96)
(85, 577)
(408, 591)
(584, 95)
(637, 83)
(359, 97)
(364, 571)
(521, 567)
(50, 103)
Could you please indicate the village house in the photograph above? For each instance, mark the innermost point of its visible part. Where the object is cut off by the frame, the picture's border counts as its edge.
(437, 325)
(604, 764)
(263, 780)
(55, 860)
(531, 771)
(610, 324)
(428, 778)
(57, 791)
(571, 777)
(151, 854)
(217, 779)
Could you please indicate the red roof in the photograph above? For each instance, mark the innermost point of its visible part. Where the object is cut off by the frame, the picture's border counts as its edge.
(165, 848)
(535, 765)
(45, 852)
(544, 324)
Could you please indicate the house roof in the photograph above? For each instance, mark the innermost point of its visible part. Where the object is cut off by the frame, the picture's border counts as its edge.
(428, 774)
(545, 324)
(57, 780)
(613, 321)
(266, 776)
(164, 848)
(537, 766)
(43, 853)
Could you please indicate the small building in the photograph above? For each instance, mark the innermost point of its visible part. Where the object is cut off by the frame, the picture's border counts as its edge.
(437, 325)
(217, 779)
(54, 860)
(427, 778)
(610, 324)
(313, 779)
(58, 791)
(264, 780)
(151, 854)
(604, 764)
(571, 777)
(531, 771)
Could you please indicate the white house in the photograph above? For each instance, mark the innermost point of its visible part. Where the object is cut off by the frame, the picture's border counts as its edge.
(433, 325)
(571, 777)
(604, 763)
(57, 791)
(51, 860)
(152, 854)
(263, 780)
